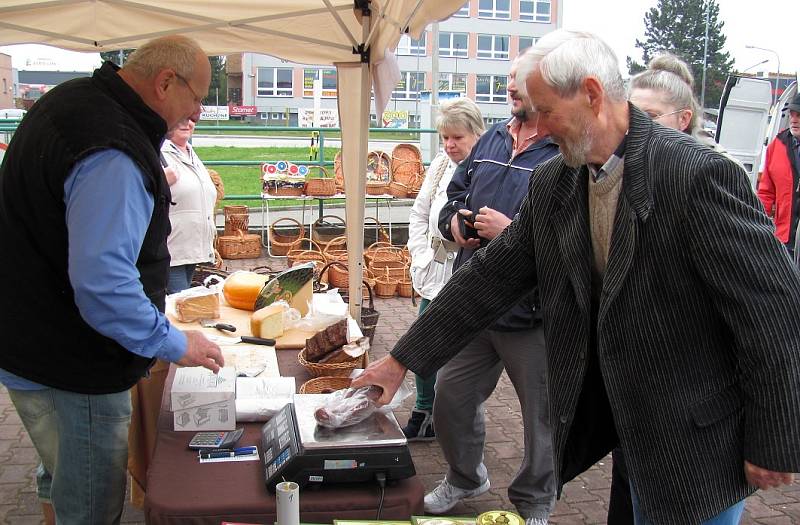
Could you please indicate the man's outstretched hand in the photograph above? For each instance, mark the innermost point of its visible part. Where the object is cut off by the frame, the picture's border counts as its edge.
(386, 373)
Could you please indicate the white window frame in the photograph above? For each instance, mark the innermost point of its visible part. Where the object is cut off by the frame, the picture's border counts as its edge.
(464, 11)
(407, 93)
(495, 52)
(494, 96)
(529, 11)
(448, 78)
(326, 92)
(410, 47)
(275, 91)
(533, 40)
(273, 115)
(494, 13)
(451, 50)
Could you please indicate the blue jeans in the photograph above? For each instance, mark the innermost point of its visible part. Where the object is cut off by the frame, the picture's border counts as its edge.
(82, 441)
(729, 516)
(180, 278)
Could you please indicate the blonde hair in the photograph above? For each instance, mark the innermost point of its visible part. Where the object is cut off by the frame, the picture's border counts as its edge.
(460, 113)
(669, 76)
(169, 52)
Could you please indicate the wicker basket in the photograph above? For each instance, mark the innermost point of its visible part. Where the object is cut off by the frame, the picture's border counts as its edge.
(387, 260)
(236, 218)
(324, 385)
(377, 188)
(338, 172)
(374, 232)
(369, 315)
(407, 167)
(405, 288)
(385, 284)
(203, 271)
(336, 249)
(280, 241)
(378, 167)
(299, 255)
(322, 186)
(399, 190)
(239, 246)
(338, 275)
(324, 231)
(332, 369)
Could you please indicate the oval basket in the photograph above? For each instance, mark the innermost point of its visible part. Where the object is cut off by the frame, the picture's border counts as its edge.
(298, 255)
(324, 385)
(407, 166)
(332, 369)
(324, 231)
(376, 188)
(239, 246)
(322, 186)
(280, 241)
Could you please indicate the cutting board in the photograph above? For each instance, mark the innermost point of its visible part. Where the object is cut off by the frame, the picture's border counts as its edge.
(290, 340)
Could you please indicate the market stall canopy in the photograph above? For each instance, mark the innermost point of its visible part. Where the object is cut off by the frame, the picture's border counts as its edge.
(354, 35)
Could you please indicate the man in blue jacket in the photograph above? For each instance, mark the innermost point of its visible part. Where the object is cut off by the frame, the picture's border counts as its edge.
(487, 190)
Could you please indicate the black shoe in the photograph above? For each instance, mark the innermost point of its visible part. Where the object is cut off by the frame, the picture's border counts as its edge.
(420, 426)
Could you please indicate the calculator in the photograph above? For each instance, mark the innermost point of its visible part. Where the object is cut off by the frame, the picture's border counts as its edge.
(211, 440)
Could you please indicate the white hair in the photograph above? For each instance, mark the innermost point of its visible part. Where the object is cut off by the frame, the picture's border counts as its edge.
(169, 52)
(565, 58)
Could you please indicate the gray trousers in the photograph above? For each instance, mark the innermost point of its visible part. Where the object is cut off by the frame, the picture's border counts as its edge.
(462, 387)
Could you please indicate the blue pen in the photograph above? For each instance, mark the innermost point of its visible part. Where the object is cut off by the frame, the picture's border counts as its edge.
(229, 453)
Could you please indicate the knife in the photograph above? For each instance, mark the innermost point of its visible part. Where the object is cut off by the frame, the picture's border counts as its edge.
(219, 326)
(224, 340)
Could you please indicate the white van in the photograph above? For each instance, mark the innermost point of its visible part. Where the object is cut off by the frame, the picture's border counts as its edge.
(745, 126)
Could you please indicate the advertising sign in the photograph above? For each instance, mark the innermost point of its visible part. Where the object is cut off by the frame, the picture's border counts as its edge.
(241, 111)
(214, 113)
(395, 119)
(328, 118)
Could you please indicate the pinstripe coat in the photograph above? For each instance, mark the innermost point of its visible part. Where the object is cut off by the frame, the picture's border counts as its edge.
(694, 340)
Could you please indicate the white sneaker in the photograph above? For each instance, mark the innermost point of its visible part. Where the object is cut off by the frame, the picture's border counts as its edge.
(536, 521)
(445, 496)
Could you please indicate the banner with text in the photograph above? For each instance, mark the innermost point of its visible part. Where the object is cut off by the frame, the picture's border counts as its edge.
(328, 118)
(214, 113)
(395, 119)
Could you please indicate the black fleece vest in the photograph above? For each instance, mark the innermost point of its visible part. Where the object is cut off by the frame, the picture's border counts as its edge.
(44, 337)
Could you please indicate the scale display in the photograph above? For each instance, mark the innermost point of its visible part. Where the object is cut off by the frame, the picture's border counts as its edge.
(297, 449)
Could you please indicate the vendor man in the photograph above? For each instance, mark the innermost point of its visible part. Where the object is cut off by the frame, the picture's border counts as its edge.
(84, 204)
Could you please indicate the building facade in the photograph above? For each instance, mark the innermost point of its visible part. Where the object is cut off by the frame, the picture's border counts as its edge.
(7, 84)
(475, 48)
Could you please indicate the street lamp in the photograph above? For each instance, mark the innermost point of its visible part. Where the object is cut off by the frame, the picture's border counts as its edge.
(778, 58)
(755, 65)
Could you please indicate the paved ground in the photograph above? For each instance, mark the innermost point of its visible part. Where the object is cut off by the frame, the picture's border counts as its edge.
(584, 500)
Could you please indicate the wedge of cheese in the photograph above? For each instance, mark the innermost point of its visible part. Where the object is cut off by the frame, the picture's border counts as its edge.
(295, 286)
(268, 321)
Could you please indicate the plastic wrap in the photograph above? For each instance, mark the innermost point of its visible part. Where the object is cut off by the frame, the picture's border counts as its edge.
(197, 303)
(347, 407)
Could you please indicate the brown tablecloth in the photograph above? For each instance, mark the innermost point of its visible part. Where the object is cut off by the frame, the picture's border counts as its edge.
(181, 490)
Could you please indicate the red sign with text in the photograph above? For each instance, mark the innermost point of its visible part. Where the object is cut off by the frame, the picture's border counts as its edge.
(240, 111)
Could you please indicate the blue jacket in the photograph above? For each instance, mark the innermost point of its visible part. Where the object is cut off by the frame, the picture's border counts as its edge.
(489, 177)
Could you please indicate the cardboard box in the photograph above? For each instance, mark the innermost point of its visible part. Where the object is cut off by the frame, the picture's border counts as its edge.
(202, 400)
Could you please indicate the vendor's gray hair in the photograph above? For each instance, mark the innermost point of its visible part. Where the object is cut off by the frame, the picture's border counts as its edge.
(175, 52)
(460, 113)
(670, 77)
(565, 58)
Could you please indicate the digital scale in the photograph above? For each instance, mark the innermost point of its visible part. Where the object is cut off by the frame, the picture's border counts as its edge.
(297, 449)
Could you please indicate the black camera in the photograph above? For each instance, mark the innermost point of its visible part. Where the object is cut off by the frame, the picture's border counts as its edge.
(466, 226)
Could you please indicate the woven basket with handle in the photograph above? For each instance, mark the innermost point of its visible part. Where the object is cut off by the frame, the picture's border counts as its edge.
(239, 246)
(407, 165)
(298, 254)
(327, 228)
(324, 385)
(282, 238)
(332, 369)
(322, 186)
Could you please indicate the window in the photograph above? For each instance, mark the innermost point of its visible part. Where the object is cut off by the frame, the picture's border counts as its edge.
(527, 41)
(276, 116)
(328, 82)
(453, 44)
(453, 82)
(274, 82)
(263, 115)
(464, 11)
(491, 88)
(5, 86)
(493, 46)
(534, 11)
(497, 9)
(409, 86)
(409, 46)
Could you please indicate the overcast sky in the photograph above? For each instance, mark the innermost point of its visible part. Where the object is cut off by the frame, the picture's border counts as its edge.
(770, 24)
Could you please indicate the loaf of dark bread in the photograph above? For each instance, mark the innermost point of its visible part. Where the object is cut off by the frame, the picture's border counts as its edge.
(326, 341)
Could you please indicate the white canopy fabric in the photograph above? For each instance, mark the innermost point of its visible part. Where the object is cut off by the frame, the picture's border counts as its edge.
(350, 34)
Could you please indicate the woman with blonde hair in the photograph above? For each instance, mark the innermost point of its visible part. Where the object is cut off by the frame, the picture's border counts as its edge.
(460, 124)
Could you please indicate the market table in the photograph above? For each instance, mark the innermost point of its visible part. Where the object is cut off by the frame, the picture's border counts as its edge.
(181, 490)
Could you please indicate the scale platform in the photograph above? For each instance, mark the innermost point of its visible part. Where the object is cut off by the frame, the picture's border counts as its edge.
(297, 449)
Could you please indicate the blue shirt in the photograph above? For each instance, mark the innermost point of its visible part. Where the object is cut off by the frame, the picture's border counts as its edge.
(108, 213)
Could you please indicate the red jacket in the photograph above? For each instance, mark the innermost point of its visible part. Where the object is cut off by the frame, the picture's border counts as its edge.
(778, 185)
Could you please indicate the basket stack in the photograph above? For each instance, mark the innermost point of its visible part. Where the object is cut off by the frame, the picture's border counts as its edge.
(297, 254)
(390, 266)
(282, 238)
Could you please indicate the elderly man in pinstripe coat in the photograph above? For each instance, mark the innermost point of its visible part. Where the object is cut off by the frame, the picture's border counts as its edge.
(670, 310)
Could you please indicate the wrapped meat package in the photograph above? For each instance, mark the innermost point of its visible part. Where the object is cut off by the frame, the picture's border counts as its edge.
(347, 407)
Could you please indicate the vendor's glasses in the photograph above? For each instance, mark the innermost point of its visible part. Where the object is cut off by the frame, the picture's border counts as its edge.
(656, 117)
(197, 99)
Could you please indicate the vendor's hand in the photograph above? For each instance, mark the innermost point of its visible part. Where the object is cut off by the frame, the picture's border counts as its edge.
(490, 223)
(171, 175)
(766, 479)
(201, 352)
(472, 244)
(386, 373)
